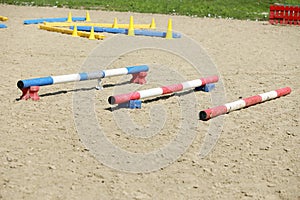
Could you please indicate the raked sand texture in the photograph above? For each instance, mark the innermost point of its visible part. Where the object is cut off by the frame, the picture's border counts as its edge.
(255, 157)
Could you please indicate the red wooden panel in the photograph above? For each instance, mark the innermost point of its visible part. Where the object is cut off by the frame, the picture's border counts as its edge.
(286, 14)
(281, 12)
(297, 21)
(272, 7)
(278, 8)
(271, 15)
(295, 15)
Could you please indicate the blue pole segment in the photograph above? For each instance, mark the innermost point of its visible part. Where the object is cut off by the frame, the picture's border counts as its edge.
(137, 69)
(35, 82)
(155, 33)
(101, 29)
(3, 26)
(115, 30)
(83, 76)
(63, 19)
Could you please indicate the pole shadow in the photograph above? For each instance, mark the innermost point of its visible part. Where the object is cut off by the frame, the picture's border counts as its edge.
(78, 90)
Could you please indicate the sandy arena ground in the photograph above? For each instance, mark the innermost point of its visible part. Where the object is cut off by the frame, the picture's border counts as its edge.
(256, 156)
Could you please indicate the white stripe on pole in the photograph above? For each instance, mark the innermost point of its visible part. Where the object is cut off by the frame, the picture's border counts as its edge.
(115, 72)
(268, 95)
(150, 92)
(66, 78)
(190, 84)
(235, 105)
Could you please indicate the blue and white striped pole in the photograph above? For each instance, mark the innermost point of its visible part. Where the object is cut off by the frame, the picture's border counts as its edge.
(50, 80)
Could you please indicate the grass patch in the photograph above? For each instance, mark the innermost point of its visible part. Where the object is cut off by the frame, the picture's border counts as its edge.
(236, 9)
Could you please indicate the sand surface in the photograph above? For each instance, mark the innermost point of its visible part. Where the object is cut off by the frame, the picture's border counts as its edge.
(256, 156)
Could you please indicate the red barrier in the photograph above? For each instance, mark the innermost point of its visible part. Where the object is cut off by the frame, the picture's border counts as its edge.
(280, 14)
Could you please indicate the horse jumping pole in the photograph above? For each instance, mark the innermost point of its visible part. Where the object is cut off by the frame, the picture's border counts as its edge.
(62, 19)
(122, 98)
(70, 32)
(242, 103)
(30, 87)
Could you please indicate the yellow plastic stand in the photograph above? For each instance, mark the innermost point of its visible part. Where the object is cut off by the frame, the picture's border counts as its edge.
(74, 33)
(153, 25)
(169, 34)
(131, 27)
(87, 18)
(69, 17)
(115, 24)
(92, 34)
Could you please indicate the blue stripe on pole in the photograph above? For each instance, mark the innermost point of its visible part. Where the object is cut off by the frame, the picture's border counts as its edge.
(103, 74)
(37, 82)
(137, 69)
(83, 76)
(63, 19)
(125, 31)
(115, 30)
(108, 30)
(3, 26)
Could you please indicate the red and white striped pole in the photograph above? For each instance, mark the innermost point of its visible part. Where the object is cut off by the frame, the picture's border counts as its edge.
(122, 98)
(242, 103)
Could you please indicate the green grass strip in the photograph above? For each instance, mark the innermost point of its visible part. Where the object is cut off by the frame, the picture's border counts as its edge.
(236, 9)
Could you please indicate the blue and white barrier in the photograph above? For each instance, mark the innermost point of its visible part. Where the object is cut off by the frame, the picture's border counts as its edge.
(125, 31)
(42, 20)
(49, 80)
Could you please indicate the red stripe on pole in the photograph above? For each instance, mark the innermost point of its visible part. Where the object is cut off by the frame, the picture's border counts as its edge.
(252, 100)
(172, 88)
(213, 112)
(122, 98)
(211, 79)
(283, 91)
